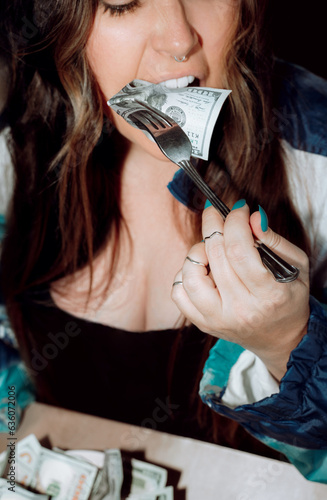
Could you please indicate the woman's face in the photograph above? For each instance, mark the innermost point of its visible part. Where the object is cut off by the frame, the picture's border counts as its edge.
(140, 38)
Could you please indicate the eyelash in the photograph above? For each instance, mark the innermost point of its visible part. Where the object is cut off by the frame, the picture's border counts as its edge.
(120, 10)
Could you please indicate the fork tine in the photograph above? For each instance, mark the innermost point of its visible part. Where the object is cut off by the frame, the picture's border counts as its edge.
(152, 119)
(143, 121)
(147, 119)
(165, 118)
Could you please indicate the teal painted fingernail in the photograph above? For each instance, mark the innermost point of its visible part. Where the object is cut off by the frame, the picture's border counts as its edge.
(264, 219)
(239, 204)
(207, 204)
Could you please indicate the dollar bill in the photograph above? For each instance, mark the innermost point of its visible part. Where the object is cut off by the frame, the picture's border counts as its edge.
(18, 493)
(195, 109)
(53, 473)
(3, 462)
(166, 493)
(28, 455)
(64, 477)
(109, 484)
(92, 456)
(146, 477)
(114, 467)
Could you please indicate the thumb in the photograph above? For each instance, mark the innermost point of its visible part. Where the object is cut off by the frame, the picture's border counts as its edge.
(284, 248)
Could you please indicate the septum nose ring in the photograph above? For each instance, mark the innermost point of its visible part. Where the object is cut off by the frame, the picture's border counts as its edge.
(180, 59)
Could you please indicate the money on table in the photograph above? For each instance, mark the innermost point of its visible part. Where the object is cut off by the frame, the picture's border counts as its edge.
(81, 474)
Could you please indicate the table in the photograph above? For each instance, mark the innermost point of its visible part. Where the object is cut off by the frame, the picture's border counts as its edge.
(203, 471)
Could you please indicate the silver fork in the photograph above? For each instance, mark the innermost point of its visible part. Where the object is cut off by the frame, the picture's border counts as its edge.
(175, 144)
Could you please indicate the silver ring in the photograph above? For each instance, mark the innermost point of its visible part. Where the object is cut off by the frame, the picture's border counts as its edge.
(212, 234)
(195, 262)
(180, 59)
(177, 283)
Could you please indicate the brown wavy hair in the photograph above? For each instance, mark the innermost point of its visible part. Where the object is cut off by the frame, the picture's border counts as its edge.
(66, 202)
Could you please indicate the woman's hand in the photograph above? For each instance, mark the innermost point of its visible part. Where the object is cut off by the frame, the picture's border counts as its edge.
(239, 300)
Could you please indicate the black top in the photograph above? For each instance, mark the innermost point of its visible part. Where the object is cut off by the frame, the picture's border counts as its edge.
(114, 373)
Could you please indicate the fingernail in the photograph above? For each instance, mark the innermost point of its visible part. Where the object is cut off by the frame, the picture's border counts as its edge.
(239, 204)
(264, 219)
(207, 204)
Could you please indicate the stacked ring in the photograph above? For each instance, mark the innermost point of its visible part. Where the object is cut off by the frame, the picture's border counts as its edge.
(195, 262)
(198, 263)
(212, 234)
(177, 283)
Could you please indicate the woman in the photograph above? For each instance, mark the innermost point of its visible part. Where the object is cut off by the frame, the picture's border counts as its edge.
(95, 241)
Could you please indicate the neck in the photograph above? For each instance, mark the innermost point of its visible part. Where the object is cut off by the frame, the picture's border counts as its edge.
(146, 171)
(145, 198)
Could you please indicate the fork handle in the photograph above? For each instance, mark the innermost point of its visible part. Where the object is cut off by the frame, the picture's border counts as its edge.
(282, 271)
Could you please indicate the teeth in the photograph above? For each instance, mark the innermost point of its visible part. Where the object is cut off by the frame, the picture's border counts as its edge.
(178, 83)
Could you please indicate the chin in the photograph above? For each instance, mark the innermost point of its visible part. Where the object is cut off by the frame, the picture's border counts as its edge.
(138, 139)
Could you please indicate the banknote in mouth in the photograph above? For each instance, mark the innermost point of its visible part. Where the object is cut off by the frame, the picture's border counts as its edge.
(195, 109)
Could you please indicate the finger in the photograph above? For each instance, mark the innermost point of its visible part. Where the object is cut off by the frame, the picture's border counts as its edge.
(184, 304)
(284, 248)
(198, 257)
(241, 252)
(198, 284)
(178, 282)
(213, 233)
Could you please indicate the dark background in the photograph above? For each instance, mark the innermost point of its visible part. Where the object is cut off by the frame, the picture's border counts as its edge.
(299, 31)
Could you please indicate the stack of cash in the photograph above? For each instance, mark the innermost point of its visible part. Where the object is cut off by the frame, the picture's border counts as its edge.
(41, 473)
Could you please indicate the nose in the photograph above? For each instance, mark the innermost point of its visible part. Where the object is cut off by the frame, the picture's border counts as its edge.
(172, 32)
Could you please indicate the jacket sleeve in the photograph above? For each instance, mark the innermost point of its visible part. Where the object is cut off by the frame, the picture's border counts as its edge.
(12, 373)
(12, 369)
(291, 418)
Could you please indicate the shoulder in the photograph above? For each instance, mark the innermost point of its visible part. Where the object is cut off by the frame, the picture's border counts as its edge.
(300, 104)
